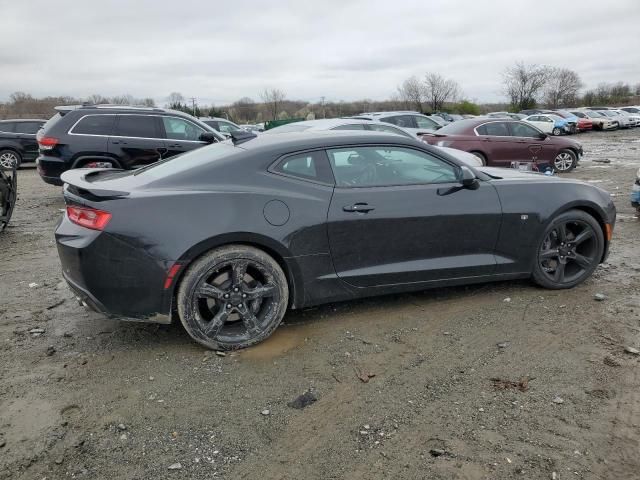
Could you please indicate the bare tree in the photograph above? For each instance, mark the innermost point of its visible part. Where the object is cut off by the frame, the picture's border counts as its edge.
(273, 98)
(148, 102)
(562, 87)
(245, 109)
(175, 100)
(439, 90)
(412, 93)
(97, 99)
(523, 84)
(125, 99)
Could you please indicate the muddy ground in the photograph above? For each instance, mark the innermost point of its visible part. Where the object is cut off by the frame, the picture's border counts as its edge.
(98, 399)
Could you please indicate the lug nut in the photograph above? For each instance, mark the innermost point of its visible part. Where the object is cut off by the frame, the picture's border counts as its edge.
(226, 295)
(244, 295)
(235, 289)
(229, 305)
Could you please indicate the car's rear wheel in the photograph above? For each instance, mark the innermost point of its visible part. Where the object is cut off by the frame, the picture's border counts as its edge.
(570, 250)
(556, 131)
(565, 161)
(481, 156)
(9, 159)
(233, 297)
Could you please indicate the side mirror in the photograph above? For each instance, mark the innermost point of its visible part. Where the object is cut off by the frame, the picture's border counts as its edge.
(208, 137)
(468, 179)
(542, 136)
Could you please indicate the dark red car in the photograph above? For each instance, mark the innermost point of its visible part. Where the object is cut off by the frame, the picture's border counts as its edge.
(499, 142)
(582, 124)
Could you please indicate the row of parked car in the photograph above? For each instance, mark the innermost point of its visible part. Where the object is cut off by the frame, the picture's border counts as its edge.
(130, 137)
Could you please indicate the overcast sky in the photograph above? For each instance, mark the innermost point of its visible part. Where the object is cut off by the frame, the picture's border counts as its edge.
(341, 49)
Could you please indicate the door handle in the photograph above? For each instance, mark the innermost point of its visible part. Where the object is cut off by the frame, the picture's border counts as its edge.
(358, 207)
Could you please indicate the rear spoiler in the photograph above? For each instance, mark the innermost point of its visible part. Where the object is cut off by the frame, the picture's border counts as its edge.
(80, 181)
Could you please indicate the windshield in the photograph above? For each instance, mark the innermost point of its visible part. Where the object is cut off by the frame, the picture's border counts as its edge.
(186, 161)
(593, 114)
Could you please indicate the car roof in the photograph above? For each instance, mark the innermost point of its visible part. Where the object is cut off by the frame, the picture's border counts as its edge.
(63, 109)
(322, 139)
(215, 118)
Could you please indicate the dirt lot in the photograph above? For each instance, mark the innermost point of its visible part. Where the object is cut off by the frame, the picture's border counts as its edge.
(99, 399)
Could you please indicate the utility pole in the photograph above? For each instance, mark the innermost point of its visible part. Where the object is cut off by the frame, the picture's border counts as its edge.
(322, 102)
(193, 104)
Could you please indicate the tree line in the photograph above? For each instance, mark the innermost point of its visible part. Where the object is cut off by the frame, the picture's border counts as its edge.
(524, 85)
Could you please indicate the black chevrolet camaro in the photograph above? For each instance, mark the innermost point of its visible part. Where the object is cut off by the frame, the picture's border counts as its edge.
(228, 237)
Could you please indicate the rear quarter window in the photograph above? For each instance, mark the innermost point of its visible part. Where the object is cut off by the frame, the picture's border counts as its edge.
(94, 125)
(6, 127)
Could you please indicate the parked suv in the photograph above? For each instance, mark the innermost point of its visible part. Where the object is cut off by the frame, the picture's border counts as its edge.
(116, 136)
(18, 141)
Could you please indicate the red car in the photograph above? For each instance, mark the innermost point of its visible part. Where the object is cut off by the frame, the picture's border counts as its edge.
(583, 124)
(499, 142)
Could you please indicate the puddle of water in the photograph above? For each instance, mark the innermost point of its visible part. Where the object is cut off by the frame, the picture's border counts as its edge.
(283, 340)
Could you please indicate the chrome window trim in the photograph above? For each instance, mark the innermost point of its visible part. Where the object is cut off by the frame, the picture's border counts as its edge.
(69, 132)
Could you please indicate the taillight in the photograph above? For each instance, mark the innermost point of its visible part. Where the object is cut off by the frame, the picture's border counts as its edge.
(88, 217)
(47, 143)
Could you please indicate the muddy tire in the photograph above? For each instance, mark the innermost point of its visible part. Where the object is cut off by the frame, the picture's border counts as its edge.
(232, 297)
(569, 252)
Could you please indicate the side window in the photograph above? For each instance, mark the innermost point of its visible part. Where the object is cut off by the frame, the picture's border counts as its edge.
(385, 166)
(534, 118)
(353, 126)
(226, 127)
(424, 122)
(388, 129)
(94, 125)
(498, 129)
(28, 127)
(181, 129)
(522, 130)
(404, 121)
(140, 126)
(7, 126)
(307, 166)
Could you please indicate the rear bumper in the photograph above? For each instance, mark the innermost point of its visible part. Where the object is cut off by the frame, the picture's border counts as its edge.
(50, 169)
(113, 275)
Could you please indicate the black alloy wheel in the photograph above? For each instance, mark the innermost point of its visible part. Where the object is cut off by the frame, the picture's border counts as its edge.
(570, 251)
(233, 297)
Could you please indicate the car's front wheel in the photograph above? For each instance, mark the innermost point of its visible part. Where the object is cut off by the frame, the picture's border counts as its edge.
(9, 159)
(565, 161)
(557, 131)
(570, 250)
(232, 297)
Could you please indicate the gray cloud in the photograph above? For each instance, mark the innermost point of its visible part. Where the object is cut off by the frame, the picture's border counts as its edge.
(334, 48)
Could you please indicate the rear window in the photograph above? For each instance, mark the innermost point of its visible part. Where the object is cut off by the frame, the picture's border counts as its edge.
(94, 125)
(28, 127)
(291, 127)
(189, 160)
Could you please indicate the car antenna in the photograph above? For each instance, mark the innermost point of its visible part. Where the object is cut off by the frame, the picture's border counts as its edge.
(241, 137)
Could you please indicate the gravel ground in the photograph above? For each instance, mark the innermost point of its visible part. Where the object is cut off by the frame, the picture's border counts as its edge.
(93, 398)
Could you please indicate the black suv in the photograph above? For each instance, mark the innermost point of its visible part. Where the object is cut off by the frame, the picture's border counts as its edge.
(116, 136)
(18, 141)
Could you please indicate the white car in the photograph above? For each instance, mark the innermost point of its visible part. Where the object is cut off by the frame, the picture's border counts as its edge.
(549, 123)
(633, 118)
(413, 122)
(225, 127)
(366, 125)
(633, 109)
(623, 122)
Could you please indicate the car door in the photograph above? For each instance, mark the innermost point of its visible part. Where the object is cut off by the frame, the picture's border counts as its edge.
(531, 146)
(497, 143)
(181, 135)
(137, 140)
(398, 216)
(26, 135)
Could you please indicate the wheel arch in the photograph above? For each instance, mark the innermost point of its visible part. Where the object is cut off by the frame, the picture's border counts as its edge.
(271, 247)
(596, 213)
(78, 161)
